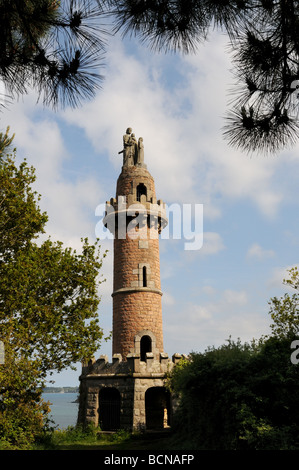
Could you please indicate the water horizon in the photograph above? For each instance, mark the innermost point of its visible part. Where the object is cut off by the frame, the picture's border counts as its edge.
(64, 408)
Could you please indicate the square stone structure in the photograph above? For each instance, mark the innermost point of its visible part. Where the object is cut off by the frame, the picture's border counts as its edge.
(130, 392)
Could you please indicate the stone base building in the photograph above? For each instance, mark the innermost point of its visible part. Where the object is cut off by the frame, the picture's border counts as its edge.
(127, 394)
(130, 392)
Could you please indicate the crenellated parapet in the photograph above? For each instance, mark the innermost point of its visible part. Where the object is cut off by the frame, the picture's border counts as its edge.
(131, 204)
(132, 365)
(127, 208)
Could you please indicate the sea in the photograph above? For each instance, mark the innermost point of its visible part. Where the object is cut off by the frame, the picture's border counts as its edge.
(64, 409)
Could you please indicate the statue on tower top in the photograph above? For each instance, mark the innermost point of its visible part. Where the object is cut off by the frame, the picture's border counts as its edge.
(133, 151)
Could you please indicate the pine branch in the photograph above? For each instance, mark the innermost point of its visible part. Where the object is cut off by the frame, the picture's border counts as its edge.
(57, 47)
(264, 116)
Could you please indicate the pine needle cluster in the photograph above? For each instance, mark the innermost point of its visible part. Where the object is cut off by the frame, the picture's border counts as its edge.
(56, 47)
(264, 40)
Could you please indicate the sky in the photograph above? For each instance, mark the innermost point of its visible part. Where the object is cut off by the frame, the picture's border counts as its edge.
(250, 202)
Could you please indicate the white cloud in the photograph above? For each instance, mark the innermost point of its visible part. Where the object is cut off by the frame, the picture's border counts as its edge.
(184, 148)
(212, 244)
(3, 98)
(224, 170)
(168, 299)
(235, 297)
(209, 290)
(255, 251)
(67, 199)
(181, 127)
(197, 313)
(211, 323)
(133, 97)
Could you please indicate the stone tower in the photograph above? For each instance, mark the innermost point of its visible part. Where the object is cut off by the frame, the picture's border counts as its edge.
(136, 218)
(130, 392)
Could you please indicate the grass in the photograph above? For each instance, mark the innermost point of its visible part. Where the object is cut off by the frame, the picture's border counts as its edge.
(92, 439)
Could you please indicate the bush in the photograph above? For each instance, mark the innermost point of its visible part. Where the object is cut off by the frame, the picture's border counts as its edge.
(239, 397)
(23, 413)
(21, 423)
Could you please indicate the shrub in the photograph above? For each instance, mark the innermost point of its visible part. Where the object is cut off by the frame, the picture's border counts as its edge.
(239, 397)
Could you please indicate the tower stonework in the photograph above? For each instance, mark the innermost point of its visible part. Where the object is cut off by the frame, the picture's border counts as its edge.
(130, 391)
(137, 292)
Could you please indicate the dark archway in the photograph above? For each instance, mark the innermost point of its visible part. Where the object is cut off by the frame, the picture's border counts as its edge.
(145, 346)
(109, 409)
(157, 408)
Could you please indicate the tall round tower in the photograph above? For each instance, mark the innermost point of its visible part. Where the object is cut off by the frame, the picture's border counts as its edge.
(130, 393)
(136, 218)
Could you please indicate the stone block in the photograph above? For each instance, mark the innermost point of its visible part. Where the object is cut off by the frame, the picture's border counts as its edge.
(133, 360)
(176, 358)
(149, 357)
(163, 358)
(116, 359)
(101, 362)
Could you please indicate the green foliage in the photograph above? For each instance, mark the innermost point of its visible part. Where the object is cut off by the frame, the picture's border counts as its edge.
(20, 217)
(239, 397)
(121, 435)
(244, 396)
(74, 434)
(23, 414)
(5, 141)
(47, 295)
(285, 311)
(49, 300)
(90, 437)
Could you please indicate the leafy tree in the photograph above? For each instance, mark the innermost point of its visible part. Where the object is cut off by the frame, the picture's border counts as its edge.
(23, 414)
(49, 300)
(285, 311)
(20, 218)
(48, 303)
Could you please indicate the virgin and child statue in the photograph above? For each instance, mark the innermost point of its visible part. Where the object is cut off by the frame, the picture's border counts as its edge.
(133, 151)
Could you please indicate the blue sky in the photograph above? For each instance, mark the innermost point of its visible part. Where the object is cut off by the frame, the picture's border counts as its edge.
(250, 203)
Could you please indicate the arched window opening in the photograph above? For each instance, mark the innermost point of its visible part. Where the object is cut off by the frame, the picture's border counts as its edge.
(145, 346)
(140, 190)
(144, 279)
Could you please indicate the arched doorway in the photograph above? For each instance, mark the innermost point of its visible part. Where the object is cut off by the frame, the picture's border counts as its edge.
(157, 408)
(109, 409)
(145, 346)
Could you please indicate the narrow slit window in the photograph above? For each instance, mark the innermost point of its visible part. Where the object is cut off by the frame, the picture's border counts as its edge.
(144, 280)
